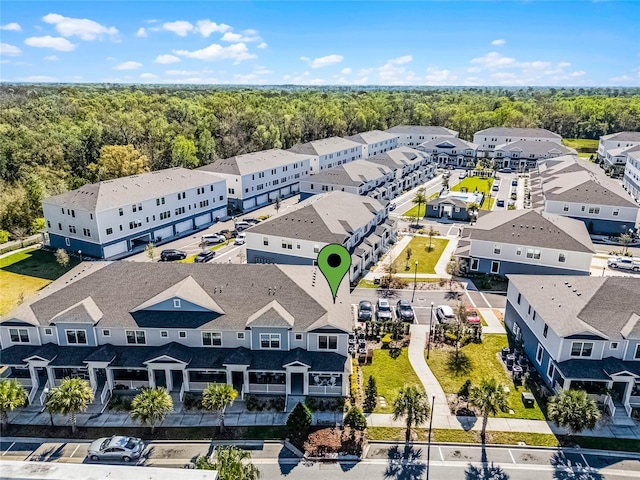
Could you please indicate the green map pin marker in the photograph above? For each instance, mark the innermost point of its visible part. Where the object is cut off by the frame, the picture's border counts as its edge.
(334, 261)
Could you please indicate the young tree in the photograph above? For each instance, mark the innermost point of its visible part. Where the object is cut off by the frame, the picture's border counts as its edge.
(454, 268)
(624, 240)
(149, 249)
(445, 182)
(419, 199)
(242, 256)
(461, 321)
(71, 397)
(19, 233)
(488, 397)
(62, 257)
(412, 403)
(299, 420)
(355, 419)
(151, 406)
(370, 395)
(409, 252)
(277, 203)
(232, 463)
(432, 232)
(574, 410)
(217, 397)
(12, 396)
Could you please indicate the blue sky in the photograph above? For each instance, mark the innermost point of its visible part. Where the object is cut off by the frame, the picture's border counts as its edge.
(581, 43)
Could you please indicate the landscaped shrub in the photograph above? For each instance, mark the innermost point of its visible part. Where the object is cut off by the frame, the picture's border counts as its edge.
(386, 341)
(299, 421)
(355, 419)
(371, 395)
(192, 401)
(333, 441)
(120, 403)
(353, 380)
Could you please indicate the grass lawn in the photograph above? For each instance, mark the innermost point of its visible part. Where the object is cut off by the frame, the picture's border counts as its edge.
(483, 363)
(582, 145)
(390, 374)
(413, 211)
(479, 184)
(25, 273)
(426, 260)
(367, 284)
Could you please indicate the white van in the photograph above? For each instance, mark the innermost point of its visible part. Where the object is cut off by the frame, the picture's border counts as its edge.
(213, 238)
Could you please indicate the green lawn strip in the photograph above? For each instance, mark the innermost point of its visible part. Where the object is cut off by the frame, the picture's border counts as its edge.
(367, 284)
(27, 272)
(473, 184)
(390, 374)
(426, 260)
(483, 364)
(582, 145)
(214, 248)
(488, 203)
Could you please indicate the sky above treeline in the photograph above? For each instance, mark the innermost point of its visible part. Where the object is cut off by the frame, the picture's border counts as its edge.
(440, 43)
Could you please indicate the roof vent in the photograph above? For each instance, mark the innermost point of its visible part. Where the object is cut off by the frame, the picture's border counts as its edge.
(559, 305)
(574, 290)
(578, 294)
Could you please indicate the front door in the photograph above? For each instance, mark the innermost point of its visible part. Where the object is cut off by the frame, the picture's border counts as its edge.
(619, 389)
(297, 383)
(237, 380)
(176, 379)
(160, 378)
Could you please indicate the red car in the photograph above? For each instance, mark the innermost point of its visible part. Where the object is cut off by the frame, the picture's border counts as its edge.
(472, 316)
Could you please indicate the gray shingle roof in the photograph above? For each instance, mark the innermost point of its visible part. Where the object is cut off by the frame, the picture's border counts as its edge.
(254, 162)
(518, 132)
(449, 142)
(422, 130)
(372, 136)
(531, 227)
(133, 189)
(605, 307)
(327, 218)
(324, 146)
(539, 148)
(353, 173)
(398, 157)
(623, 136)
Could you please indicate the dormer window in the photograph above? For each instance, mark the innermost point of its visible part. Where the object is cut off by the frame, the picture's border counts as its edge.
(177, 303)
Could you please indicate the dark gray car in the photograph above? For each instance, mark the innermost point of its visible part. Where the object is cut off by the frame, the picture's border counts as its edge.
(118, 448)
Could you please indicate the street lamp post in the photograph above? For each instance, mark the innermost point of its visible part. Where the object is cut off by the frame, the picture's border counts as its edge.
(429, 340)
(415, 282)
(433, 401)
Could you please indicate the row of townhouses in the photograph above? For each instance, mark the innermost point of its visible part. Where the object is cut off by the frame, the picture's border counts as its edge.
(614, 148)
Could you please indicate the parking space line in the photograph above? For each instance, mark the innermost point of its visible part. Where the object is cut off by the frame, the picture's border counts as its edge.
(5, 452)
(586, 464)
(441, 456)
(470, 299)
(485, 299)
(511, 455)
(76, 449)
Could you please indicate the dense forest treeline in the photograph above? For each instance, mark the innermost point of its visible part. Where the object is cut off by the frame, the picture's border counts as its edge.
(56, 138)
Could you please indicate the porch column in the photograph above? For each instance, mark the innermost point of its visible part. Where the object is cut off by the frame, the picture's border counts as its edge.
(245, 376)
(345, 384)
(229, 376)
(51, 378)
(152, 378)
(169, 377)
(288, 380)
(109, 378)
(34, 376)
(185, 380)
(92, 379)
(305, 383)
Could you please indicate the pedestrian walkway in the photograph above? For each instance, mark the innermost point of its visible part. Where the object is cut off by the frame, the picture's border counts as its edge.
(493, 324)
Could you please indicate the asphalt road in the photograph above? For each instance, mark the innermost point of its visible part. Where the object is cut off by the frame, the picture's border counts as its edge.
(383, 461)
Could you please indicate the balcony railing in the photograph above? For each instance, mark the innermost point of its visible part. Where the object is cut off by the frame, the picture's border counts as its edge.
(634, 400)
(131, 384)
(325, 390)
(25, 382)
(182, 390)
(267, 388)
(106, 393)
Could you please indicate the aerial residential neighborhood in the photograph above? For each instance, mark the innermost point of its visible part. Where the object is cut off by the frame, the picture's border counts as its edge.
(319, 240)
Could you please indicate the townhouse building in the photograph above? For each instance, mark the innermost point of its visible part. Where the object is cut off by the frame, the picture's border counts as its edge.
(118, 217)
(526, 242)
(613, 148)
(525, 155)
(328, 152)
(581, 332)
(412, 167)
(631, 178)
(182, 326)
(414, 135)
(571, 187)
(257, 179)
(360, 177)
(488, 139)
(375, 142)
(450, 151)
(358, 223)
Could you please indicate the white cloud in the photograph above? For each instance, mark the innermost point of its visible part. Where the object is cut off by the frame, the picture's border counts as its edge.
(577, 73)
(181, 27)
(141, 32)
(81, 27)
(39, 78)
(345, 71)
(166, 59)
(622, 79)
(236, 37)
(537, 65)
(182, 72)
(12, 27)
(499, 41)
(207, 27)
(317, 81)
(262, 71)
(148, 76)
(9, 50)
(215, 52)
(494, 60)
(56, 43)
(393, 73)
(110, 59)
(321, 62)
(130, 65)
(435, 76)
(262, 45)
(564, 65)
(51, 58)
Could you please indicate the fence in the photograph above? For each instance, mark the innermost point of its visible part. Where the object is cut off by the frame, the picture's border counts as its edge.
(17, 244)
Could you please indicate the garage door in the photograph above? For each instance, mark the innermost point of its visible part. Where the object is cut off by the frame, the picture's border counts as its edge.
(163, 233)
(262, 199)
(183, 226)
(203, 219)
(287, 190)
(115, 249)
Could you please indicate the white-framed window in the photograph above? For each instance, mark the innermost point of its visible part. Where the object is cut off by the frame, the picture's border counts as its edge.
(182, 334)
(164, 333)
(327, 342)
(240, 335)
(136, 337)
(177, 303)
(581, 349)
(613, 345)
(529, 253)
(67, 242)
(545, 330)
(497, 249)
(475, 263)
(270, 340)
(565, 208)
(562, 258)
(106, 333)
(212, 339)
(76, 337)
(519, 298)
(48, 331)
(495, 266)
(19, 335)
(616, 212)
(637, 354)
(551, 370)
(265, 240)
(519, 251)
(539, 353)
(529, 310)
(298, 336)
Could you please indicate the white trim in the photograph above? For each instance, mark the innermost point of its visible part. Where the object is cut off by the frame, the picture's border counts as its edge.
(213, 334)
(539, 354)
(75, 330)
(270, 339)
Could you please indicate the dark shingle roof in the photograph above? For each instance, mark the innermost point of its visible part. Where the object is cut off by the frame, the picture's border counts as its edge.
(600, 370)
(353, 173)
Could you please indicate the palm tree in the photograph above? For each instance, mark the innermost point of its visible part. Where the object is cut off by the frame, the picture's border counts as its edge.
(432, 232)
(231, 463)
(574, 410)
(72, 396)
(412, 403)
(488, 397)
(419, 199)
(151, 406)
(12, 396)
(218, 396)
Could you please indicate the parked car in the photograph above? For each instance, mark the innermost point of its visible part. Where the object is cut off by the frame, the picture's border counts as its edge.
(446, 174)
(506, 170)
(624, 264)
(392, 206)
(213, 238)
(226, 233)
(444, 314)
(242, 226)
(451, 167)
(204, 257)
(462, 175)
(241, 239)
(496, 187)
(365, 311)
(514, 182)
(252, 220)
(169, 255)
(404, 311)
(383, 310)
(472, 315)
(116, 448)
(500, 202)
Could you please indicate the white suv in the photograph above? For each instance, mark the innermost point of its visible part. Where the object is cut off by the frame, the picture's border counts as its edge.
(444, 314)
